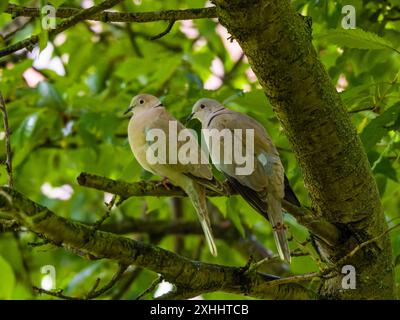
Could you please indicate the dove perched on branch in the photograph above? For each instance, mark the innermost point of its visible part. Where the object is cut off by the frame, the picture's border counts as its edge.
(265, 185)
(149, 118)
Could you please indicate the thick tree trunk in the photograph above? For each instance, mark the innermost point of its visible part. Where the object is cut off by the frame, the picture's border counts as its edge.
(277, 42)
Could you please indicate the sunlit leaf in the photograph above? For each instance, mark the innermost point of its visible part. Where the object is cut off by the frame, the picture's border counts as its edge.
(7, 279)
(358, 39)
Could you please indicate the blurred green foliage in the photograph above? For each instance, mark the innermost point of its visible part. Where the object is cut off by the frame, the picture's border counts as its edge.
(66, 117)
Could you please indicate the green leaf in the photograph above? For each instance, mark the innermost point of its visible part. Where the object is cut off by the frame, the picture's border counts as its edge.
(43, 39)
(3, 5)
(7, 279)
(221, 204)
(378, 127)
(233, 213)
(397, 261)
(358, 39)
(33, 131)
(49, 96)
(382, 165)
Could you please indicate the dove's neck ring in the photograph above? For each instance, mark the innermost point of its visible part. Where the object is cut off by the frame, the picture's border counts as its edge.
(214, 114)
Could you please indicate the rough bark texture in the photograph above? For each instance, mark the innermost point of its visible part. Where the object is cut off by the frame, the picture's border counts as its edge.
(319, 226)
(277, 42)
(191, 277)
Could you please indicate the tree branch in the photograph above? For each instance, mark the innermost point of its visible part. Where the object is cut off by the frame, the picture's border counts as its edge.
(77, 17)
(200, 277)
(277, 41)
(7, 225)
(321, 228)
(166, 31)
(8, 142)
(108, 16)
(225, 231)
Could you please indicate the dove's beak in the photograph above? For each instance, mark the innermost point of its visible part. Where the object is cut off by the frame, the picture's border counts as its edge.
(128, 110)
(190, 117)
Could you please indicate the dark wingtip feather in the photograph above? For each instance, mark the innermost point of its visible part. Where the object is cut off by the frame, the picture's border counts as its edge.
(251, 196)
(290, 196)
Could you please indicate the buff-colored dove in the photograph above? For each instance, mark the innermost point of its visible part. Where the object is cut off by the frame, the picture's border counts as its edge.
(148, 119)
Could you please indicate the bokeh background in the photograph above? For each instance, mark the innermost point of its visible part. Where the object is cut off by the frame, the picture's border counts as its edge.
(65, 102)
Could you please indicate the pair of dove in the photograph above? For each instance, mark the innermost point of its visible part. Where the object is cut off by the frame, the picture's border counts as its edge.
(263, 189)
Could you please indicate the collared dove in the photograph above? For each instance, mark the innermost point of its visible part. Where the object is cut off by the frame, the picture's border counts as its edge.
(148, 114)
(265, 186)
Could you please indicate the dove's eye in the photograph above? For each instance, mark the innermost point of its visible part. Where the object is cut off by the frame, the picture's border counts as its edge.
(202, 106)
(141, 101)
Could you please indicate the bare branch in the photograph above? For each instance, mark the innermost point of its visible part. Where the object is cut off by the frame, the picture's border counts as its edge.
(92, 294)
(151, 288)
(106, 214)
(108, 16)
(321, 228)
(54, 293)
(77, 17)
(202, 277)
(117, 276)
(166, 31)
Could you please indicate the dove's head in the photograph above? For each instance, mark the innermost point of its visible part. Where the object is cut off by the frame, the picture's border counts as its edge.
(143, 101)
(203, 108)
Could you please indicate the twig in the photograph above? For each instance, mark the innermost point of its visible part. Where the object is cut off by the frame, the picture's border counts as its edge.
(150, 289)
(364, 244)
(38, 244)
(166, 31)
(109, 16)
(8, 142)
(117, 276)
(106, 215)
(54, 293)
(254, 266)
(92, 293)
(183, 272)
(258, 264)
(131, 277)
(77, 17)
(304, 248)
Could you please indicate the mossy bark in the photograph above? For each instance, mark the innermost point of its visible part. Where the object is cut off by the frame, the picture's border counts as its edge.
(191, 277)
(278, 43)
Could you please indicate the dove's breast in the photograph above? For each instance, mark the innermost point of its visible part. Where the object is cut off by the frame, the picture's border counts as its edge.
(139, 125)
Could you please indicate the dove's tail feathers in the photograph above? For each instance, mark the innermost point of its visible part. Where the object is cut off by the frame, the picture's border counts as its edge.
(276, 218)
(209, 237)
(197, 195)
(282, 245)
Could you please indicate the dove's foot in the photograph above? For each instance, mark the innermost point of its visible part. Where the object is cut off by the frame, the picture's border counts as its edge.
(165, 183)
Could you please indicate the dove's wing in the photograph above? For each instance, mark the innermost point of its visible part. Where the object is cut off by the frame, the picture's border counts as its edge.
(150, 123)
(264, 187)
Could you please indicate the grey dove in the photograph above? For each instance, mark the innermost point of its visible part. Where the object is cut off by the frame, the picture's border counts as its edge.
(263, 188)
